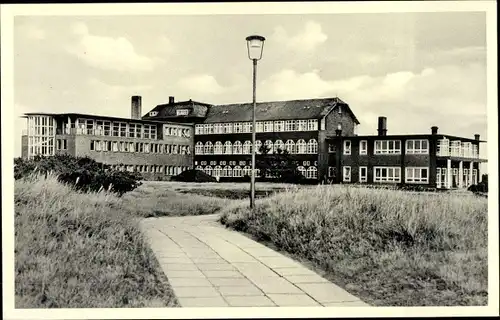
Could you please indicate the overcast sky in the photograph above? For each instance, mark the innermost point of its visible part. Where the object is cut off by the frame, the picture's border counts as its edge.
(418, 69)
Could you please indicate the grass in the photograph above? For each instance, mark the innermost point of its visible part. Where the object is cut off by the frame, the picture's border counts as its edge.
(75, 250)
(390, 248)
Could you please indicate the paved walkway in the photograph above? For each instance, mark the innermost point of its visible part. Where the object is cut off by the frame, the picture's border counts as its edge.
(208, 265)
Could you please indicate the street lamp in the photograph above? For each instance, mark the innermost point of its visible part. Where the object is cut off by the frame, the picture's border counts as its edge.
(255, 45)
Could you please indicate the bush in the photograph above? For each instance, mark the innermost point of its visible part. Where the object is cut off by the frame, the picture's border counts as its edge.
(82, 173)
(193, 176)
(480, 187)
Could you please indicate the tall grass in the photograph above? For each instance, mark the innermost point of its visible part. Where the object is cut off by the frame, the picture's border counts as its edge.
(80, 250)
(388, 247)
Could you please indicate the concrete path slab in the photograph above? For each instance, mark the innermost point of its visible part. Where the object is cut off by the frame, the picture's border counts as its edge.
(208, 265)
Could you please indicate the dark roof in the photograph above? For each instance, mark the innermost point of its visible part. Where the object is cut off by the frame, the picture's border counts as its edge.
(410, 135)
(168, 110)
(275, 110)
(86, 115)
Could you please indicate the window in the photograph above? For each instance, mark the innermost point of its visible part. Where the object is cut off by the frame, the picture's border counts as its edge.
(208, 170)
(268, 126)
(312, 124)
(289, 125)
(302, 125)
(331, 147)
(182, 112)
(115, 146)
(247, 147)
(227, 171)
(290, 146)
(123, 129)
(209, 149)
(347, 174)
(237, 147)
(347, 147)
(417, 147)
(92, 145)
(217, 171)
(306, 163)
(228, 128)
(363, 174)
(247, 170)
(332, 172)
(258, 145)
(210, 129)
(259, 126)
(218, 148)
(302, 170)
(116, 129)
(443, 147)
(242, 163)
(228, 148)
(363, 147)
(198, 129)
(218, 128)
(279, 126)
(238, 127)
(153, 113)
(455, 148)
(237, 172)
(387, 147)
(312, 146)
(269, 146)
(301, 146)
(279, 145)
(247, 127)
(62, 144)
(386, 174)
(417, 175)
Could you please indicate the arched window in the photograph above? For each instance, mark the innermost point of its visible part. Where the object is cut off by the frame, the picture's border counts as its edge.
(228, 147)
(208, 170)
(290, 146)
(199, 168)
(217, 171)
(237, 172)
(312, 146)
(302, 170)
(209, 148)
(258, 144)
(247, 147)
(237, 147)
(247, 170)
(279, 145)
(218, 148)
(198, 148)
(301, 146)
(312, 173)
(269, 145)
(227, 172)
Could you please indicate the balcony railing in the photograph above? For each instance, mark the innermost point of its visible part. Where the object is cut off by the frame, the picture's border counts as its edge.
(447, 151)
(100, 132)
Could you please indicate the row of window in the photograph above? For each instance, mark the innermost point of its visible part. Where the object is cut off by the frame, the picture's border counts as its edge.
(260, 126)
(419, 175)
(457, 149)
(238, 171)
(242, 163)
(419, 146)
(40, 145)
(468, 177)
(141, 147)
(167, 170)
(299, 147)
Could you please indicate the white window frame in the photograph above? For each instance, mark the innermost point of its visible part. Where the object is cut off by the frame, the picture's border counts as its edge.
(182, 112)
(312, 125)
(414, 179)
(387, 179)
(346, 173)
(268, 126)
(411, 146)
(363, 151)
(363, 178)
(238, 127)
(331, 171)
(279, 126)
(347, 147)
(383, 147)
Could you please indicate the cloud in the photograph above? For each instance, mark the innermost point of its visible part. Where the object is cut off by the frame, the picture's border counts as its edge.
(111, 91)
(201, 84)
(35, 33)
(109, 53)
(306, 40)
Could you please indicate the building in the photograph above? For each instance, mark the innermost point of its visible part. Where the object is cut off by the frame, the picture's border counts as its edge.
(223, 133)
(320, 135)
(432, 160)
(153, 148)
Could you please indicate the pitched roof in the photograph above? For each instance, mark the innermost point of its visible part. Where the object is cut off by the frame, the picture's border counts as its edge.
(275, 110)
(169, 110)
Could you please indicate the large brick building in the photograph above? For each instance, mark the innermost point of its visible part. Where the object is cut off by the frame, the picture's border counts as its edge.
(320, 134)
(153, 148)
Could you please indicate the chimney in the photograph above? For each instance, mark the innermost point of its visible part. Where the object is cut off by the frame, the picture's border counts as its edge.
(136, 107)
(382, 126)
(171, 100)
(477, 136)
(434, 130)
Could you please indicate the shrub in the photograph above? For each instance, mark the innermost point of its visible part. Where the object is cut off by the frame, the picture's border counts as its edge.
(193, 176)
(82, 173)
(480, 187)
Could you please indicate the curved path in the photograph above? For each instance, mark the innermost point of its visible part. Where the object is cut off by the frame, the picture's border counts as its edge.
(208, 265)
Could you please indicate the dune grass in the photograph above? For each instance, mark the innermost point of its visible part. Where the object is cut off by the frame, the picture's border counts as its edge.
(77, 250)
(390, 248)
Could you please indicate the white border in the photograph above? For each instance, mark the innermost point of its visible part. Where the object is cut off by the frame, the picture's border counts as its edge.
(9, 11)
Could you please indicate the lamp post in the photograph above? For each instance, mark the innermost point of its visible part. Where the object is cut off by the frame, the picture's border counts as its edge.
(255, 45)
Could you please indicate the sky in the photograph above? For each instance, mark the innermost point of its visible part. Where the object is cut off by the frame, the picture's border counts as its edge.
(417, 69)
